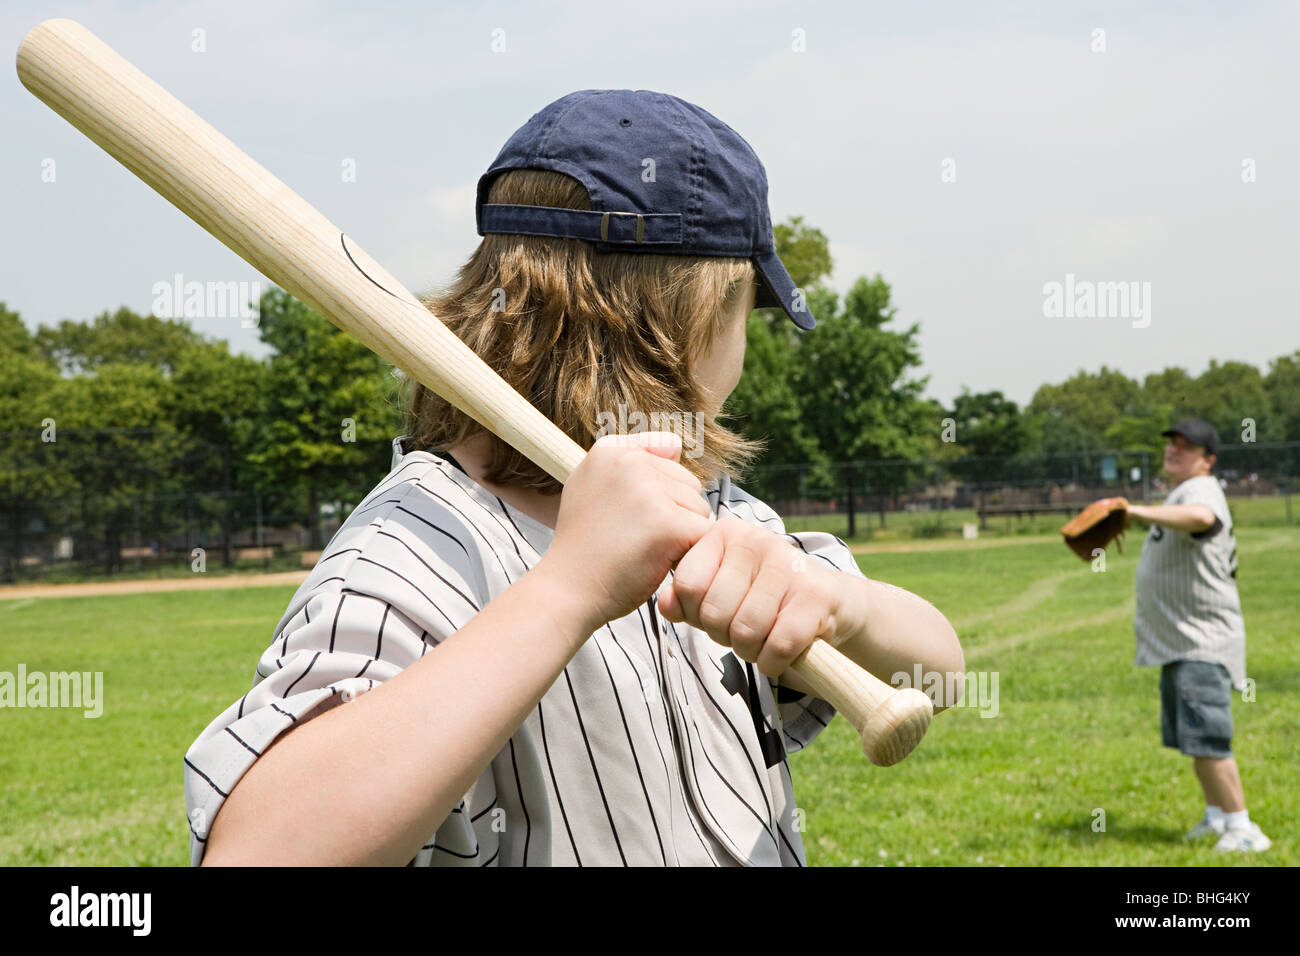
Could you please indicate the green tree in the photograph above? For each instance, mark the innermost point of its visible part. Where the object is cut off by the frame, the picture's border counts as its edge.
(840, 392)
(14, 337)
(1073, 416)
(26, 381)
(326, 408)
(989, 431)
(765, 403)
(120, 337)
(1173, 387)
(214, 398)
(1140, 429)
(854, 378)
(853, 375)
(1228, 393)
(114, 447)
(804, 251)
(1282, 385)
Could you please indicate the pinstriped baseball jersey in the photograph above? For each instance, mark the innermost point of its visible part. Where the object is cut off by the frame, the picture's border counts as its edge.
(655, 746)
(1187, 602)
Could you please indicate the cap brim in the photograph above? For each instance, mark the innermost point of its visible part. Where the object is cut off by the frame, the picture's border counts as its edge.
(776, 290)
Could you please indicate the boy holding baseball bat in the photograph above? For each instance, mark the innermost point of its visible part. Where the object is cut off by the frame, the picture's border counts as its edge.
(483, 671)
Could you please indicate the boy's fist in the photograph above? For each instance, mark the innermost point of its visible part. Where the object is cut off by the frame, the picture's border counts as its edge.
(628, 512)
(751, 590)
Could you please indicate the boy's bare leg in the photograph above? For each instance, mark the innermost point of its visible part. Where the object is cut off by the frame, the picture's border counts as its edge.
(1221, 782)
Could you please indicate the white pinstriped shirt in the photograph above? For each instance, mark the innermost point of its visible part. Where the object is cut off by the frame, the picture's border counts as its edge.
(645, 751)
(1187, 602)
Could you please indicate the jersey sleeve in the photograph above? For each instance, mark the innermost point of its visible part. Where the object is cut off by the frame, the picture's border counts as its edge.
(1205, 491)
(803, 716)
(389, 587)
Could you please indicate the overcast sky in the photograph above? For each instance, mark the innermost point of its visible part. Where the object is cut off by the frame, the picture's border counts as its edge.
(1117, 166)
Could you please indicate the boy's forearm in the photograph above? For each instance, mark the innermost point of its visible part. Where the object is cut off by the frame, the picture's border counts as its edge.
(1190, 518)
(891, 630)
(369, 781)
(887, 630)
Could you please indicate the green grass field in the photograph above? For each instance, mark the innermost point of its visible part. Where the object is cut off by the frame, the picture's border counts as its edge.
(1077, 728)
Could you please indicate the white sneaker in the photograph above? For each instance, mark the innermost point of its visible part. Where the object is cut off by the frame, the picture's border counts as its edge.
(1207, 827)
(1247, 838)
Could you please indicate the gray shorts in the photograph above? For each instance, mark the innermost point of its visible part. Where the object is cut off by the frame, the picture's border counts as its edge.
(1196, 708)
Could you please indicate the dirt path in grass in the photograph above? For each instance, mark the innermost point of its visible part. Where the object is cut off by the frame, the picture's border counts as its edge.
(958, 545)
(196, 582)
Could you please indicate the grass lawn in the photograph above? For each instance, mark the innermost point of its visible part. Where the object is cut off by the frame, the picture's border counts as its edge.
(108, 790)
(1077, 728)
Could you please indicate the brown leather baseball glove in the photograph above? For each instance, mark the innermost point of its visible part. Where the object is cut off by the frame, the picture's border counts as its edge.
(1097, 526)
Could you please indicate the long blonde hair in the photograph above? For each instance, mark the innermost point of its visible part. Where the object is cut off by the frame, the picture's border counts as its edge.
(581, 333)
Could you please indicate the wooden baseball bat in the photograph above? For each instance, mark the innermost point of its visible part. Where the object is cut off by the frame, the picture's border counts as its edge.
(220, 187)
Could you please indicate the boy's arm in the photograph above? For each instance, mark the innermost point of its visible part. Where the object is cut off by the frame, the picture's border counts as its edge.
(888, 631)
(1190, 518)
(366, 782)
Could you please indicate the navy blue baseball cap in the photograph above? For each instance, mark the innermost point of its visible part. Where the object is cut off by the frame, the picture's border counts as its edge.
(663, 176)
(1197, 431)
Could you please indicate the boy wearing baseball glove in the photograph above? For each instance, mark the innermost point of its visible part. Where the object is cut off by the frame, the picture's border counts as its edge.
(481, 670)
(1189, 623)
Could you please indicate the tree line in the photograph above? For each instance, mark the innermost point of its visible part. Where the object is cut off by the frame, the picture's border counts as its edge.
(851, 391)
(126, 406)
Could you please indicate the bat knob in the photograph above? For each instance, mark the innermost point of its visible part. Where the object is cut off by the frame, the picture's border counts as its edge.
(895, 727)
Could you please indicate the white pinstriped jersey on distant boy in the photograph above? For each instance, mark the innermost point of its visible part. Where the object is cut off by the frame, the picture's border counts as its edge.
(1188, 607)
(646, 751)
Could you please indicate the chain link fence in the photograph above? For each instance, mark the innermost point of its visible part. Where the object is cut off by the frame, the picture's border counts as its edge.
(142, 502)
(862, 496)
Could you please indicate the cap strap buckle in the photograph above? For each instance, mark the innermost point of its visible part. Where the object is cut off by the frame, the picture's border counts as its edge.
(604, 225)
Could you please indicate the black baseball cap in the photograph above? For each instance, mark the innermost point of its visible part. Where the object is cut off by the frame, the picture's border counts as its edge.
(664, 176)
(1197, 431)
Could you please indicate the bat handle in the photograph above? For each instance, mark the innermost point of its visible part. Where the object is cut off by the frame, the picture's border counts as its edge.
(891, 720)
